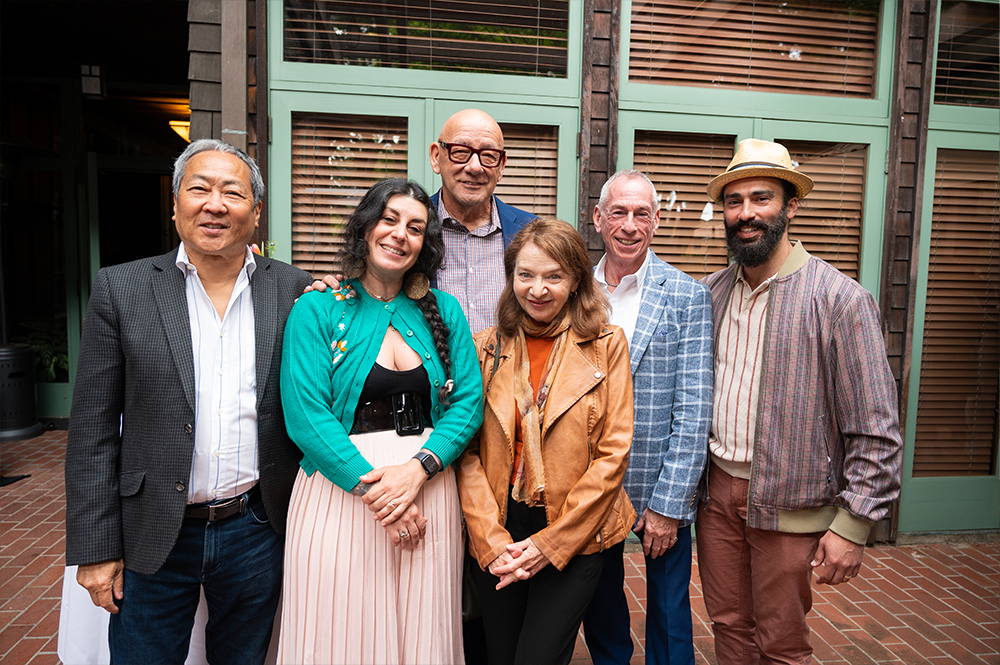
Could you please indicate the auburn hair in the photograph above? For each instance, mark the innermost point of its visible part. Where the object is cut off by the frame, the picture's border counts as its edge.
(588, 306)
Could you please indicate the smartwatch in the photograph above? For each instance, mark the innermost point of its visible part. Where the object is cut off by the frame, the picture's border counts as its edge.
(429, 462)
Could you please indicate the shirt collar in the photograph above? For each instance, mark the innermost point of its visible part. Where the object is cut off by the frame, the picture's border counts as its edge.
(184, 264)
(639, 275)
(445, 216)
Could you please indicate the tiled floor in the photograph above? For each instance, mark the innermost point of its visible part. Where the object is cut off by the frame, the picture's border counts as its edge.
(913, 604)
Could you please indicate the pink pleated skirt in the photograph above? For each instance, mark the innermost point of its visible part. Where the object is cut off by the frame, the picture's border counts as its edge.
(350, 597)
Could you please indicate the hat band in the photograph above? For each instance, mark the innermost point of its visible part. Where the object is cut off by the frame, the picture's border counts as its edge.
(749, 165)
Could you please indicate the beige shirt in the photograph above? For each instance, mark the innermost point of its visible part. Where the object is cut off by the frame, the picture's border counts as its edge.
(737, 377)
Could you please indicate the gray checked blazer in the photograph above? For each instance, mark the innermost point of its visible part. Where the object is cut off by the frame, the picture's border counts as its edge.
(126, 492)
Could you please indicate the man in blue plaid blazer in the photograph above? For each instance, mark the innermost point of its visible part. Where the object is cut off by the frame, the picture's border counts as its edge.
(668, 318)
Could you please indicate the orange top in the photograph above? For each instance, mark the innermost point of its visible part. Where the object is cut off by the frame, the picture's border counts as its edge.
(538, 354)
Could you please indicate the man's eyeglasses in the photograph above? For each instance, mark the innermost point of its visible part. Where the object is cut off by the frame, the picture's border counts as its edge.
(490, 158)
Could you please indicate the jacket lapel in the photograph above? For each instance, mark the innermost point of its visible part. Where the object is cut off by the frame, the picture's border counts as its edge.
(500, 398)
(577, 376)
(650, 311)
(171, 304)
(265, 298)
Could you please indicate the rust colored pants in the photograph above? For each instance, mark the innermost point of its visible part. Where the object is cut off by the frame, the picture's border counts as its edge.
(756, 583)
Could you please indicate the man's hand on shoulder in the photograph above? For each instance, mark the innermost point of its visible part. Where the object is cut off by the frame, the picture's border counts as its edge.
(840, 558)
(104, 581)
(321, 284)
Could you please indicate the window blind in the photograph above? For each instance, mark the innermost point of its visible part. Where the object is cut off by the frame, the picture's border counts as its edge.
(530, 177)
(828, 221)
(811, 47)
(521, 37)
(335, 159)
(968, 59)
(680, 166)
(956, 432)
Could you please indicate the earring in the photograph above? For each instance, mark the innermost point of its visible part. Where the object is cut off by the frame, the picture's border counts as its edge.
(417, 285)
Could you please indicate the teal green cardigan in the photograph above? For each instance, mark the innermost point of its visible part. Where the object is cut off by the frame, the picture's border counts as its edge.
(331, 341)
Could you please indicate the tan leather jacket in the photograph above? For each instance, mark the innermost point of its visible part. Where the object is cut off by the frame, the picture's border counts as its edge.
(586, 439)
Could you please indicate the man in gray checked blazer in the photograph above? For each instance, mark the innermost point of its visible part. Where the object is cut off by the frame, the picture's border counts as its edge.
(178, 466)
(668, 318)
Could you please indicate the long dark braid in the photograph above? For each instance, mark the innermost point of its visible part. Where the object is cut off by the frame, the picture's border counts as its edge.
(439, 331)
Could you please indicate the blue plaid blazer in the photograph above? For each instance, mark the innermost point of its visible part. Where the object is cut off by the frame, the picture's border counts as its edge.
(673, 367)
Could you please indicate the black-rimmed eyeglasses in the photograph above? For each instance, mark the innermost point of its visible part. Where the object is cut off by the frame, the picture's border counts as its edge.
(490, 158)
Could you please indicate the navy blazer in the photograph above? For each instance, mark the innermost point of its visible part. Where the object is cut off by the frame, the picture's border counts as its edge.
(131, 433)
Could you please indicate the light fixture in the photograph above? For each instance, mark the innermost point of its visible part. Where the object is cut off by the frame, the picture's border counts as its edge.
(182, 127)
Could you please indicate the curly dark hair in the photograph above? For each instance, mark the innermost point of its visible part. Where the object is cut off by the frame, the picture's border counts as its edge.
(354, 254)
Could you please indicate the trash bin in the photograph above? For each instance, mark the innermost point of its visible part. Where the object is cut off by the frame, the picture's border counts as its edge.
(17, 393)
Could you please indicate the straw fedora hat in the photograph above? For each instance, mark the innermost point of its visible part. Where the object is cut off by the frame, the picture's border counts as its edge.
(760, 159)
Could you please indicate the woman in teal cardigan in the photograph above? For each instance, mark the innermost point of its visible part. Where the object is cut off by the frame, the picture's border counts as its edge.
(381, 390)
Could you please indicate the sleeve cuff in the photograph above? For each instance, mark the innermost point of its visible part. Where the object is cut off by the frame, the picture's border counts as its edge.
(850, 527)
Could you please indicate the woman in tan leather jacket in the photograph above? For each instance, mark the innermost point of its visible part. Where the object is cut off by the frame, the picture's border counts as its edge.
(540, 485)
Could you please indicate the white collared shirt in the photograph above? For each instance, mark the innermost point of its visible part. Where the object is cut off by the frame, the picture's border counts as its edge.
(225, 385)
(627, 297)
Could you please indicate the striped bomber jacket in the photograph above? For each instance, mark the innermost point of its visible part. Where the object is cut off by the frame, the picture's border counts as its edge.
(827, 452)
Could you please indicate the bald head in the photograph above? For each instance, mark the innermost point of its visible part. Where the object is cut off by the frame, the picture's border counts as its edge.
(471, 122)
(467, 189)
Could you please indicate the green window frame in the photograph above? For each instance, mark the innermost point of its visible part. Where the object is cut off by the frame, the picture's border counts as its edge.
(678, 99)
(941, 503)
(960, 118)
(876, 138)
(416, 83)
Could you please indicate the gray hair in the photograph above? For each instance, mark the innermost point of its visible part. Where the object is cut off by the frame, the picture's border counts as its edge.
(205, 145)
(627, 173)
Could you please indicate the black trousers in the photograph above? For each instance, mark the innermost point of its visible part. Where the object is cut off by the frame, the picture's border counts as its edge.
(536, 621)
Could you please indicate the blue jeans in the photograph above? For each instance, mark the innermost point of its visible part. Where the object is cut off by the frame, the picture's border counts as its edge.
(239, 562)
(669, 638)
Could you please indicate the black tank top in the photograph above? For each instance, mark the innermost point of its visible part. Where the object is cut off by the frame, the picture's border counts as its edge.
(382, 382)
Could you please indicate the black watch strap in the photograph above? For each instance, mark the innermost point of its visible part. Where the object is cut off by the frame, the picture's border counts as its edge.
(429, 462)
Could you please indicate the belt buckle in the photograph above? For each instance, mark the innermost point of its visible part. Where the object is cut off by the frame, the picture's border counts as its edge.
(239, 500)
(406, 414)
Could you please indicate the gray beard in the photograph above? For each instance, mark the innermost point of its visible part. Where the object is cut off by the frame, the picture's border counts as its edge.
(756, 253)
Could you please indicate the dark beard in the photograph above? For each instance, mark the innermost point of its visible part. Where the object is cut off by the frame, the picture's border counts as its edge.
(757, 253)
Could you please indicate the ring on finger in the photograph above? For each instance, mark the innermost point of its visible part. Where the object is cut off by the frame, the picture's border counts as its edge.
(392, 503)
(404, 534)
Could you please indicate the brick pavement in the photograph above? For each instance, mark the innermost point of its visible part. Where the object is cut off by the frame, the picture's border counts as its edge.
(915, 604)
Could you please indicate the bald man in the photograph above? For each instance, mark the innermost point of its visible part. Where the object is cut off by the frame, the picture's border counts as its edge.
(477, 226)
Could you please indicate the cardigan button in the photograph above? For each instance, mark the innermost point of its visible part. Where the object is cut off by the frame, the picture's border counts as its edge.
(409, 333)
(597, 375)
(188, 428)
(179, 486)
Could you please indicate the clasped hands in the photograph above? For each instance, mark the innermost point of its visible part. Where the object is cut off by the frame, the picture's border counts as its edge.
(391, 500)
(521, 561)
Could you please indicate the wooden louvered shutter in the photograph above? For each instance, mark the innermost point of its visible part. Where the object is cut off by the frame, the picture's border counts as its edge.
(335, 159)
(529, 178)
(521, 37)
(680, 166)
(794, 46)
(968, 55)
(828, 221)
(956, 432)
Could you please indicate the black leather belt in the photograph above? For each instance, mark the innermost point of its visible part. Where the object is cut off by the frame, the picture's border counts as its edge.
(402, 412)
(215, 511)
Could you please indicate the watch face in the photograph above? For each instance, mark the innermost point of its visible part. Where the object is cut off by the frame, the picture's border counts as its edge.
(429, 463)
